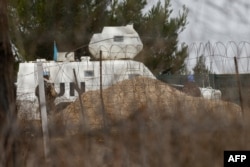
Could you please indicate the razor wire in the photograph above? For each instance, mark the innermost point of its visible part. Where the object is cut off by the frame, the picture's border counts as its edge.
(220, 56)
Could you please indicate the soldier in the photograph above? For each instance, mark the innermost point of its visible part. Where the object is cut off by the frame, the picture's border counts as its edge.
(50, 93)
(190, 87)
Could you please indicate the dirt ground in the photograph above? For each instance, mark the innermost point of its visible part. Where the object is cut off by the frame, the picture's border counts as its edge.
(146, 123)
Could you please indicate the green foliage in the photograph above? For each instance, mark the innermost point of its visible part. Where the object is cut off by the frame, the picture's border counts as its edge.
(127, 11)
(160, 38)
(41, 22)
(35, 25)
(200, 67)
(201, 70)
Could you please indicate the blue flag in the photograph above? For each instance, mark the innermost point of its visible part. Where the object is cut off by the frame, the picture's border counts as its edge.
(55, 51)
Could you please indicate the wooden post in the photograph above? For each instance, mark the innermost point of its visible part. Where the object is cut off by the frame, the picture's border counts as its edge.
(42, 104)
(80, 99)
(101, 73)
(101, 95)
(239, 84)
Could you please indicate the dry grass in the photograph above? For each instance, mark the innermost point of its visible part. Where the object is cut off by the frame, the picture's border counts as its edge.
(148, 124)
(121, 100)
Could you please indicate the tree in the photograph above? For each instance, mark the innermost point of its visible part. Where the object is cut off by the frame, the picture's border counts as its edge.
(201, 70)
(127, 12)
(72, 23)
(7, 100)
(160, 38)
(7, 93)
(200, 67)
(37, 24)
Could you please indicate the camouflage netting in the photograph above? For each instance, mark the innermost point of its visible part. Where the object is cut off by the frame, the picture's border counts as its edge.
(156, 99)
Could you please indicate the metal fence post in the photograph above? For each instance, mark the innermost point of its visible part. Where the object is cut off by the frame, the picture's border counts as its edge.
(239, 84)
